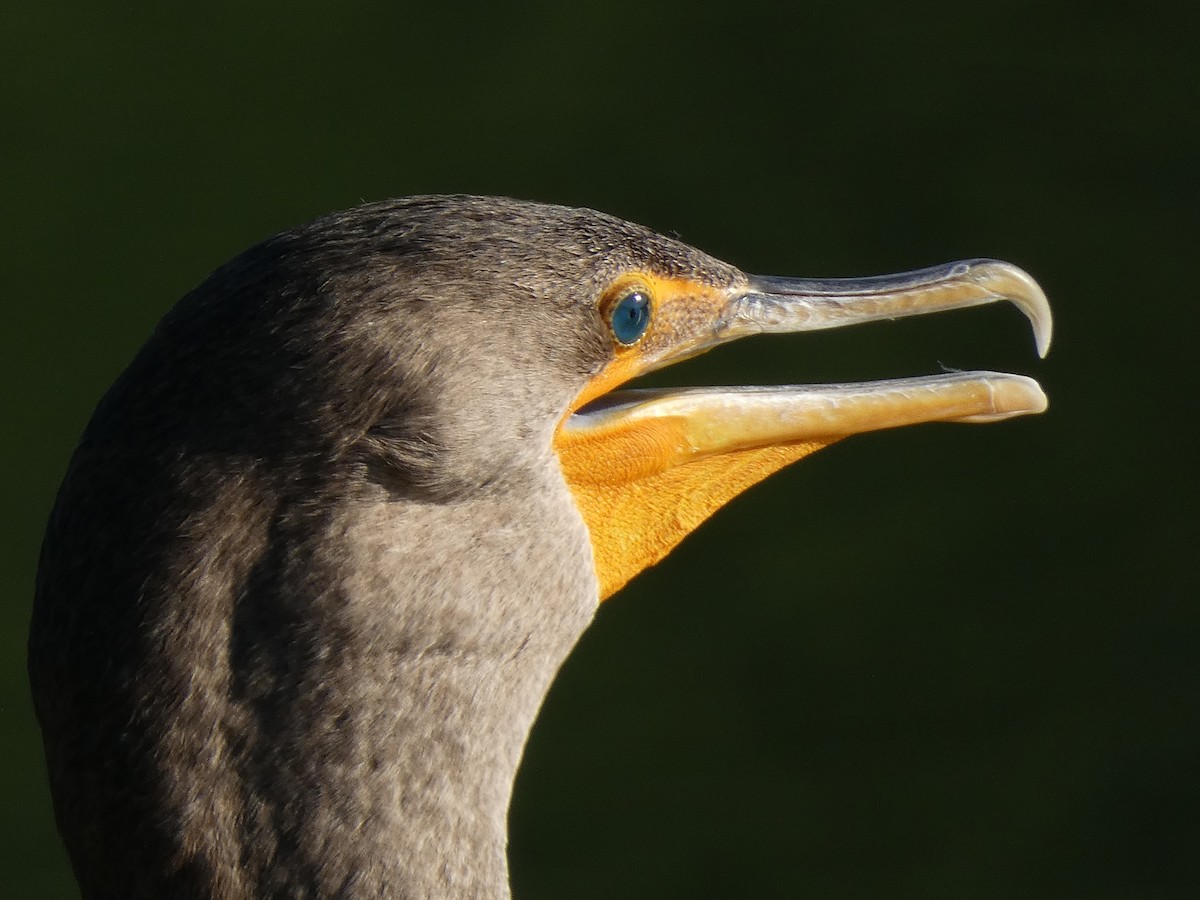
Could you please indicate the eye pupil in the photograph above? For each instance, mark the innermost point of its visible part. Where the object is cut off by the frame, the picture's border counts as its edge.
(630, 317)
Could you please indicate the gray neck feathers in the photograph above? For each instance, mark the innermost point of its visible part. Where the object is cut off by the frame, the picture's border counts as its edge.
(329, 699)
(405, 720)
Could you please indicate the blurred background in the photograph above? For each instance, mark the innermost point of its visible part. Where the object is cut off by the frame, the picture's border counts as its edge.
(948, 661)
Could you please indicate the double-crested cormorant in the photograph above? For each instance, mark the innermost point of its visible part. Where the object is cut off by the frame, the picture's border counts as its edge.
(327, 540)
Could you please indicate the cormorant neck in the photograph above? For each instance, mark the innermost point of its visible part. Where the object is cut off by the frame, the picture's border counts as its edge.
(321, 696)
(406, 690)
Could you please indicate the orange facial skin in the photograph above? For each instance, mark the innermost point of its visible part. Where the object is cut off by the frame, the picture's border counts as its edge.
(635, 496)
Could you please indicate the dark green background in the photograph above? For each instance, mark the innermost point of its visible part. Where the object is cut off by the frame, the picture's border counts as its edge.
(949, 661)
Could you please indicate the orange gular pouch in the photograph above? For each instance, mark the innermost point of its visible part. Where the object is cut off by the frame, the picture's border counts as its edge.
(639, 499)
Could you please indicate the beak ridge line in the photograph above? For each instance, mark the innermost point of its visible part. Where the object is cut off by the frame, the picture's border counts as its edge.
(774, 305)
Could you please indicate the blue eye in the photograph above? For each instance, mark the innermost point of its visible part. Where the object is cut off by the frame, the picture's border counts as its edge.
(630, 317)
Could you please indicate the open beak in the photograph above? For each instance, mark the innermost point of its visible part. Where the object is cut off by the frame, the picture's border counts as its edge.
(646, 466)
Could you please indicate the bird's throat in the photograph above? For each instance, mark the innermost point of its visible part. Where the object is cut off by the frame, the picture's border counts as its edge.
(638, 506)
